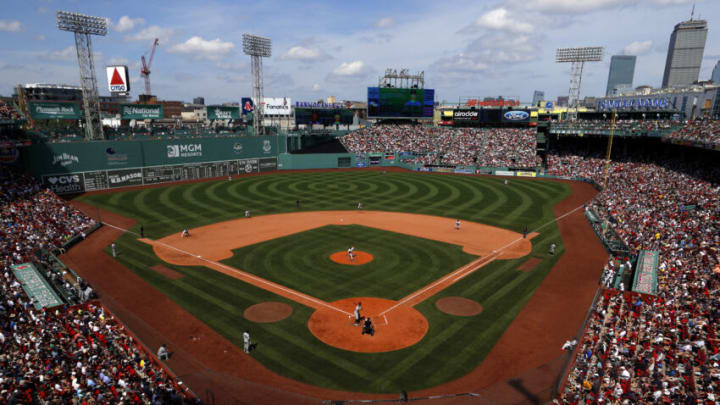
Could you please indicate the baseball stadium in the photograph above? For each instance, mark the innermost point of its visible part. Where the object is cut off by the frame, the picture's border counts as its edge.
(388, 250)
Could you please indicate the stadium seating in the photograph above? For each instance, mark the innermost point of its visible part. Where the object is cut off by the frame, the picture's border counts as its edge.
(76, 353)
(499, 147)
(703, 132)
(645, 349)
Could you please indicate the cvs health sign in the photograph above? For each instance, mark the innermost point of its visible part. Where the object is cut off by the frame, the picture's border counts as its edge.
(118, 80)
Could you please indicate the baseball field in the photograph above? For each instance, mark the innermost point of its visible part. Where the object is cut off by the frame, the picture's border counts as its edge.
(440, 297)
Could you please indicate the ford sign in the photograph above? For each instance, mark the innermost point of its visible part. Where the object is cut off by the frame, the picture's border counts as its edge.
(516, 115)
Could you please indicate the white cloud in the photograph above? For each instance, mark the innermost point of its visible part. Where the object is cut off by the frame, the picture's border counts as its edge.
(126, 23)
(200, 48)
(66, 54)
(152, 32)
(316, 87)
(10, 26)
(500, 20)
(638, 48)
(305, 54)
(487, 52)
(385, 22)
(39, 37)
(117, 61)
(354, 68)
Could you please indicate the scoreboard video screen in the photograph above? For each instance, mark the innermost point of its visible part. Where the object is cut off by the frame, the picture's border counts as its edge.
(390, 102)
(323, 116)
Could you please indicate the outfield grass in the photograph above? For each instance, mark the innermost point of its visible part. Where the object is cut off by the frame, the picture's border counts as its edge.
(453, 345)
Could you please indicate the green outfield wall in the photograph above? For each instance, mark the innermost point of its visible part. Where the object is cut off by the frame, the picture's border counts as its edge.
(76, 167)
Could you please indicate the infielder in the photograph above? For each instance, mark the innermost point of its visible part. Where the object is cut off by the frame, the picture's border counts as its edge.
(457, 225)
(113, 247)
(351, 253)
(359, 206)
(247, 213)
(185, 233)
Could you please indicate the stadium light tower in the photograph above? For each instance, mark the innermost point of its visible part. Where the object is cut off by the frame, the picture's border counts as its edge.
(258, 48)
(83, 26)
(577, 57)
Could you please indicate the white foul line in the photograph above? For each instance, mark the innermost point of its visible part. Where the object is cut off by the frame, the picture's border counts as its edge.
(251, 276)
(461, 273)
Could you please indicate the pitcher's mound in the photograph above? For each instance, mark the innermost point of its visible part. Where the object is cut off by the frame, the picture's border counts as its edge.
(458, 306)
(359, 259)
(266, 312)
(405, 326)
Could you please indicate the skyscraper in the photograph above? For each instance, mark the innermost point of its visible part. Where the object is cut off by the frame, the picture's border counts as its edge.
(715, 77)
(685, 53)
(622, 71)
(538, 96)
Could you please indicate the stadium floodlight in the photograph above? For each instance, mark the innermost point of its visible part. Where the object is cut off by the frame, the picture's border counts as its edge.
(257, 48)
(84, 26)
(577, 58)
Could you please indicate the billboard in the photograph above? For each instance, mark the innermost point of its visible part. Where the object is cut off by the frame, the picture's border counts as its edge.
(48, 111)
(390, 102)
(466, 115)
(322, 116)
(516, 116)
(247, 105)
(219, 112)
(277, 106)
(118, 79)
(141, 111)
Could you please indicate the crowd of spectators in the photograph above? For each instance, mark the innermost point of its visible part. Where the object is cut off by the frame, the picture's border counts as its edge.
(704, 132)
(663, 348)
(499, 147)
(509, 147)
(8, 112)
(75, 354)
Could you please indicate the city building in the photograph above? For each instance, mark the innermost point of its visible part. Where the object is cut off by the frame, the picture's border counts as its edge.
(715, 77)
(562, 101)
(171, 109)
(685, 53)
(199, 100)
(538, 96)
(622, 71)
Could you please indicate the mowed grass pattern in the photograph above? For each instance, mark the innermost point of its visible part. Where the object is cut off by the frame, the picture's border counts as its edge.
(453, 345)
(402, 264)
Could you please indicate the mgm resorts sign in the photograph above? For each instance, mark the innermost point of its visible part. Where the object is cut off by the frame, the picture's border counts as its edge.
(624, 104)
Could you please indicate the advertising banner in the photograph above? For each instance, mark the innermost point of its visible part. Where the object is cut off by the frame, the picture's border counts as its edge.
(247, 105)
(218, 112)
(49, 111)
(325, 117)
(125, 177)
(526, 174)
(118, 79)
(516, 116)
(504, 173)
(141, 111)
(466, 115)
(277, 106)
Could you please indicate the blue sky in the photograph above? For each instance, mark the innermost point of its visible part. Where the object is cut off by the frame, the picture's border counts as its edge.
(323, 48)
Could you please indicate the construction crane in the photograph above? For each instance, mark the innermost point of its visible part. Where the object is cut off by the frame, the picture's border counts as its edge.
(145, 71)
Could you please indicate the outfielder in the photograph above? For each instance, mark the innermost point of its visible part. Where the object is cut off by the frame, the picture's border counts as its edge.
(113, 247)
(246, 341)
